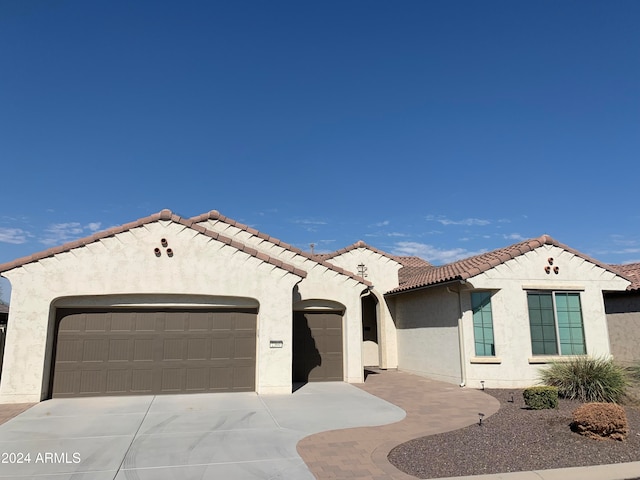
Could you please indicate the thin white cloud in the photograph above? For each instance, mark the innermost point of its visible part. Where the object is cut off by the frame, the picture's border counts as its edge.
(16, 236)
(514, 236)
(384, 223)
(309, 225)
(59, 233)
(310, 222)
(432, 254)
(469, 222)
(396, 234)
(93, 226)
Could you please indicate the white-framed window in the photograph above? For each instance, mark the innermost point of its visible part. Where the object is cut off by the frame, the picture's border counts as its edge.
(555, 322)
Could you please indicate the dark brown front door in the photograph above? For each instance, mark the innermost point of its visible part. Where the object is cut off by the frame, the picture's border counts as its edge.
(138, 352)
(317, 347)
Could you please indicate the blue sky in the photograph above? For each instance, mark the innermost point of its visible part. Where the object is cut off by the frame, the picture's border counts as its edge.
(435, 128)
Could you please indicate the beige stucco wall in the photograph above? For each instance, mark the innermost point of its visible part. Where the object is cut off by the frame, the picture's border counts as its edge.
(126, 264)
(623, 317)
(428, 340)
(320, 283)
(510, 282)
(427, 329)
(382, 271)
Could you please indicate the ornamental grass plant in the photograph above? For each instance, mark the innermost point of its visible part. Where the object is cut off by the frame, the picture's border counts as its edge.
(587, 379)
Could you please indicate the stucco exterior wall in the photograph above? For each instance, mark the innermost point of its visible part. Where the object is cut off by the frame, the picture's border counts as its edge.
(321, 283)
(427, 320)
(382, 271)
(623, 318)
(126, 264)
(427, 329)
(515, 365)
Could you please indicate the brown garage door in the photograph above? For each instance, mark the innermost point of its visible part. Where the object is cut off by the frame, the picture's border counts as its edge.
(127, 352)
(317, 347)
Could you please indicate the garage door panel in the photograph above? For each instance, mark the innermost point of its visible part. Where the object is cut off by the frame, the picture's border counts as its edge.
(96, 323)
(175, 323)
(317, 347)
(143, 349)
(118, 381)
(173, 349)
(243, 321)
(65, 383)
(221, 379)
(132, 352)
(121, 323)
(244, 348)
(199, 321)
(94, 350)
(198, 349)
(92, 381)
(197, 379)
(242, 376)
(142, 380)
(172, 380)
(119, 350)
(145, 323)
(69, 350)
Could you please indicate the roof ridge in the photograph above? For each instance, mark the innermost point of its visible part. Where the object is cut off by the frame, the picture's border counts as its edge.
(216, 215)
(361, 244)
(166, 215)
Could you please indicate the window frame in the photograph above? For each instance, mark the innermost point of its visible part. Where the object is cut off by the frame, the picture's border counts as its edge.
(492, 346)
(556, 324)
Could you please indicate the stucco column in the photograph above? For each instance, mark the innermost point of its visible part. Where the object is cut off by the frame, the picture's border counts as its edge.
(25, 350)
(275, 324)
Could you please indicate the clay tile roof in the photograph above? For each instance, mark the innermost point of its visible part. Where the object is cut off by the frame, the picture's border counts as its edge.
(631, 272)
(406, 261)
(162, 215)
(215, 215)
(472, 266)
(411, 261)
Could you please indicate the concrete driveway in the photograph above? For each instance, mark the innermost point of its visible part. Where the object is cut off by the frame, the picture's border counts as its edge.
(198, 436)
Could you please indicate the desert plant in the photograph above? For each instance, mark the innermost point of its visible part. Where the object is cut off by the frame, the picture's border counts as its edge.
(587, 379)
(540, 398)
(601, 420)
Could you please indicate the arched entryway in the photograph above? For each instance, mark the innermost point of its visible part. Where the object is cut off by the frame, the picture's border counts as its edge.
(370, 338)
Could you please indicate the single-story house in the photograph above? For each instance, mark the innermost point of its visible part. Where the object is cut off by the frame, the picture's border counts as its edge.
(167, 304)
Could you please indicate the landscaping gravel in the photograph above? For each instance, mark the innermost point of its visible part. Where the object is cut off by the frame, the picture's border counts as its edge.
(515, 439)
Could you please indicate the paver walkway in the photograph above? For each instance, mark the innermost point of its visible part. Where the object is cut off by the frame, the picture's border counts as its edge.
(361, 453)
(7, 412)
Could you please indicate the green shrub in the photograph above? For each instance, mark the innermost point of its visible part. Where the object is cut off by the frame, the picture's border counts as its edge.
(587, 379)
(540, 398)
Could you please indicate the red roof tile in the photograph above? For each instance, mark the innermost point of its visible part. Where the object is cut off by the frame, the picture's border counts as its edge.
(405, 261)
(162, 215)
(215, 215)
(472, 266)
(631, 271)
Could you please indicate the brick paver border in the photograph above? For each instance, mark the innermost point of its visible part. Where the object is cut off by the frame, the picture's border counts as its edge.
(361, 453)
(8, 411)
